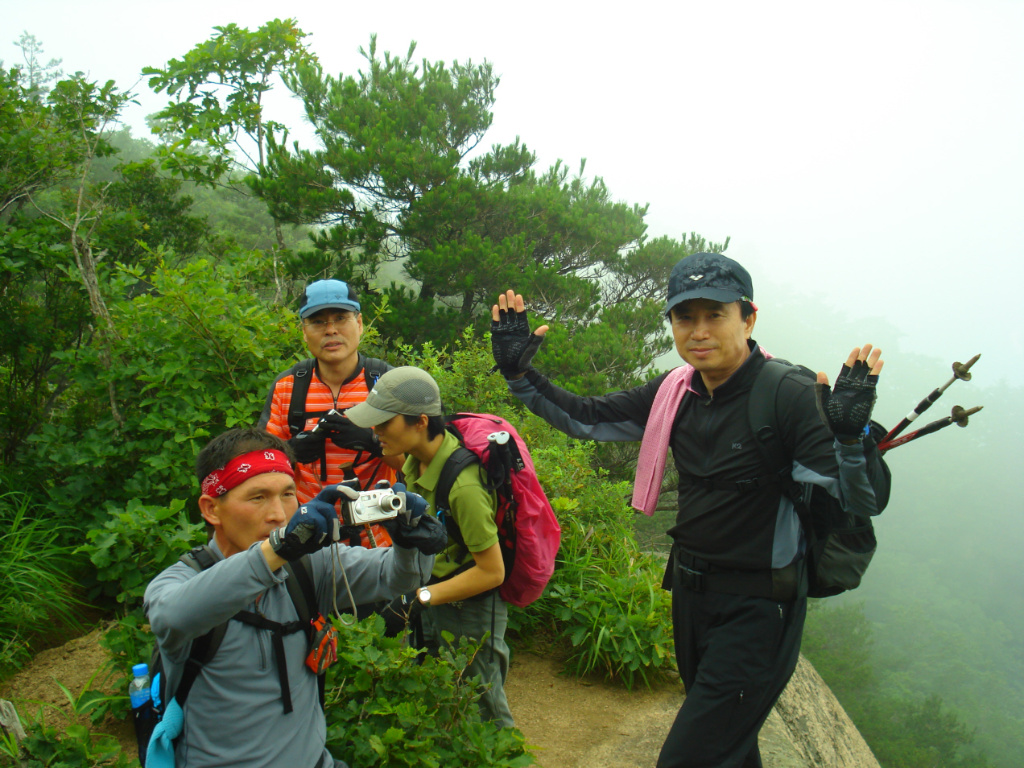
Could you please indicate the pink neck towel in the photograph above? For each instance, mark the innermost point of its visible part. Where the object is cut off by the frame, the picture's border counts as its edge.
(650, 465)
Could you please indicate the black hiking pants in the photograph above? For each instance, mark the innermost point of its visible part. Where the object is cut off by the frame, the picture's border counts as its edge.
(735, 655)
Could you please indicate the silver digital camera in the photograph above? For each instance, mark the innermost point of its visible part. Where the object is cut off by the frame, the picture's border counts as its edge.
(373, 506)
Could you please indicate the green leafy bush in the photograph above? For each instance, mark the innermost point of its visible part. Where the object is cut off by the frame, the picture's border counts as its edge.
(75, 747)
(387, 709)
(604, 601)
(36, 581)
(193, 354)
(135, 544)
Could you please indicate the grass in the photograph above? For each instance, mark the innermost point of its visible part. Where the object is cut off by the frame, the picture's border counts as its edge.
(37, 589)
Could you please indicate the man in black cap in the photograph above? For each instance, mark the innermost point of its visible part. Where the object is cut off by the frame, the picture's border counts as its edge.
(737, 570)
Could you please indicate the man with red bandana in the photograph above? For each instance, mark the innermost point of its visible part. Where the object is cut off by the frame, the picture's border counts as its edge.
(256, 702)
(330, 448)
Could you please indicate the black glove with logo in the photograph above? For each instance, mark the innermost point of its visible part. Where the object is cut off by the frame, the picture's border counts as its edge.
(314, 526)
(400, 612)
(345, 434)
(512, 344)
(416, 529)
(846, 408)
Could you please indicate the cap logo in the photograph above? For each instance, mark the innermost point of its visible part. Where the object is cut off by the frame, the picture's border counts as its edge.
(695, 278)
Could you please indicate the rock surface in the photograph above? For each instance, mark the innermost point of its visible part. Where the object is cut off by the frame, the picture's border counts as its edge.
(572, 724)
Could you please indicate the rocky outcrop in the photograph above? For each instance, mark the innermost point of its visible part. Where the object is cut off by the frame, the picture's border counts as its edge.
(810, 719)
(576, 724)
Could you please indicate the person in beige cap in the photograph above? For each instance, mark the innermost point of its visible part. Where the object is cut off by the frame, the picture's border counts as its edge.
(404, 409)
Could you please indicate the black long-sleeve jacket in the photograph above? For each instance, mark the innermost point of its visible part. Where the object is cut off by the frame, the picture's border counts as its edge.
(712, 438)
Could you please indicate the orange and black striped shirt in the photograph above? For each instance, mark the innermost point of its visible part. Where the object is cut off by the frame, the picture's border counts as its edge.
(319, 400)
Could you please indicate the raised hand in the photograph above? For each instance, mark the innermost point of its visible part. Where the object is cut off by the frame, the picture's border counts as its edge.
(846, 408)
(512, 344)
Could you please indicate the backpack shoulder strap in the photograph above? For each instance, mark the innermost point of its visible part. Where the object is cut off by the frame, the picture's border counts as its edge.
(204, 647)
(302, 591)
(373, 369)
(763, 416)
(302, 374)
(458, 461)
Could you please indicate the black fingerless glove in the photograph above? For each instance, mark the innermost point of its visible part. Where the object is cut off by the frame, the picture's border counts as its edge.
(416, 529)
(512, 344)
(846, 409)
(308, 447)
(345, 434)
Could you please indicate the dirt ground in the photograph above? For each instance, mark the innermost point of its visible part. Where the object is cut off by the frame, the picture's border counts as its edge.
(568, 723)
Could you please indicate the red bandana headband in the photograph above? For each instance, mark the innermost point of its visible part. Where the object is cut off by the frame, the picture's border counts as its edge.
(241, 468)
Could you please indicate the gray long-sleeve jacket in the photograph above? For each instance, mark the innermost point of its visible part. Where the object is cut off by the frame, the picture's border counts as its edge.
(234, 714)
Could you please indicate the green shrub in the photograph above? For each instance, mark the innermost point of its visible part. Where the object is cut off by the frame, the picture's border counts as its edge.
(74, 747)
(136, 543)
(387, 709)
(193, 355)
(36, 580)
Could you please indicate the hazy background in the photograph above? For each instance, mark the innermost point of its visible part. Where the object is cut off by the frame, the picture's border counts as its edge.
(864, 158)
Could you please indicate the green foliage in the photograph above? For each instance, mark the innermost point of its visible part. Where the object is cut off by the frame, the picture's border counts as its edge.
(194, 357)
(218, 89)
(838, 639)
(393, 183)
(386, 709)
(605, 601)
(37, 579)
(135, 544)
(74, 747)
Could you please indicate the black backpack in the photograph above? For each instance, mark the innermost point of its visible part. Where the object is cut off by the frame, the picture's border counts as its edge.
(840, 544)
(303, 594)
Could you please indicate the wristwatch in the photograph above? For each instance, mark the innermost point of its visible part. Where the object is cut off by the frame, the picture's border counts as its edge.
(423, 595)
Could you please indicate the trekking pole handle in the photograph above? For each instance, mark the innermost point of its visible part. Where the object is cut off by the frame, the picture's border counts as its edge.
(961, 371)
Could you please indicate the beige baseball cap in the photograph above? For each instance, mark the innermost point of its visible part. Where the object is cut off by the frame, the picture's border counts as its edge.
(407, 390)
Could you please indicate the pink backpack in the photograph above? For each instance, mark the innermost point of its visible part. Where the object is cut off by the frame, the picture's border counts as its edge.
(528, 532)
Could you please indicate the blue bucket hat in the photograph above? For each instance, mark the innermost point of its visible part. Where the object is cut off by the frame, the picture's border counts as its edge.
(327, 294)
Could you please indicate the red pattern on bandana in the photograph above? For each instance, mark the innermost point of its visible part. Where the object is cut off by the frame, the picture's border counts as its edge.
(241, 468)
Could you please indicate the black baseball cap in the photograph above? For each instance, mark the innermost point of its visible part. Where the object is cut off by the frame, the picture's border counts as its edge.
(708, 276)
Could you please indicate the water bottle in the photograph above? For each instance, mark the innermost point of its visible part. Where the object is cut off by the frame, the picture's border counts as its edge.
(138, 689)
(142, 708)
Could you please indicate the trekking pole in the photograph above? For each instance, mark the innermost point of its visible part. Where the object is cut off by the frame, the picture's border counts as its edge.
(957, 416)
(960, 371)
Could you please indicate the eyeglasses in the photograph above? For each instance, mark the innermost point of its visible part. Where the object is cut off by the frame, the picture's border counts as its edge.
(321, 323)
